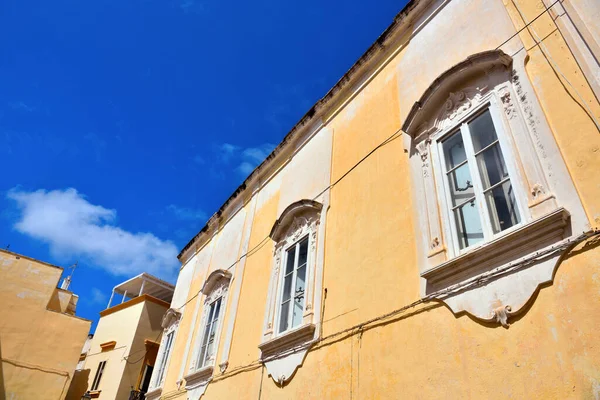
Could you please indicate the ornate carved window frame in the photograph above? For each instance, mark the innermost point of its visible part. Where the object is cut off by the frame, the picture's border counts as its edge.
(170, 324)
(547, 199)
(283, 352)
(215, 287)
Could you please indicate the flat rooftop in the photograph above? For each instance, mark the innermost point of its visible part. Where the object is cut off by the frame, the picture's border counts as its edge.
(144, 283)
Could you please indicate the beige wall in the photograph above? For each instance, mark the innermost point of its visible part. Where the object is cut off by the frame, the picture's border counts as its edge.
(129, 325)
(37, 344)
(371, 263)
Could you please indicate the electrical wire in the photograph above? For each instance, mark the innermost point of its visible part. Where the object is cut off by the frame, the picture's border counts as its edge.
(562, 248)
(264, 240)
(386, 141)
(556, 68)
(478, 281)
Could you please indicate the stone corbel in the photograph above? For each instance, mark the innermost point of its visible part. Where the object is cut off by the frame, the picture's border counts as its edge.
(498, 279)
(196, 383)
(284, 354)
(170, 318)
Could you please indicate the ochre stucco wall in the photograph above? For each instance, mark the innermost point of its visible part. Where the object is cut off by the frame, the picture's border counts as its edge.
(370, 268)
(37, 345)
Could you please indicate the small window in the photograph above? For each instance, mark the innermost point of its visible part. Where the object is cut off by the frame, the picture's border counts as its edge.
(479, 189)
(294, 285)
(98, 376)
(207, 349)
(165, 356)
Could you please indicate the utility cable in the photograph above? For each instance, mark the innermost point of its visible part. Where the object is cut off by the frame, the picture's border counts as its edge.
(386, 141)
(556, 68)
(448, 291)
(264, 240)
(563, 248)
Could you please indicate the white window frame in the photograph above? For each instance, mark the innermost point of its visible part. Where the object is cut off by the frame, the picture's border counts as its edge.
(162, 367)
(215, 288)
(286, 250)
(283, 352)
(210, 361)
(170, 325)
(487, 102)
(550, 210)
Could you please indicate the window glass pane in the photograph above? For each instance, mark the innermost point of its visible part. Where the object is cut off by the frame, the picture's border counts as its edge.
(299, 296)
(303, 252)
(454, 151)
(491, 166)
(461, 185)
(211, 312)
(204, 343)
(209, 350)
(297, 317)
(468, 225)
(502, 207)
(217, 306)
(482, 131)
(287, 288)
(291, 257)
(283, 319)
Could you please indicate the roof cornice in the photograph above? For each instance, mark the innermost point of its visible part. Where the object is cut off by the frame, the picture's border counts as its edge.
(323, 110)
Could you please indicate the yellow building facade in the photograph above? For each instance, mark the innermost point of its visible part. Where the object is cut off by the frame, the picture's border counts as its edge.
(121, 355)
(429, 229)
(40, 336)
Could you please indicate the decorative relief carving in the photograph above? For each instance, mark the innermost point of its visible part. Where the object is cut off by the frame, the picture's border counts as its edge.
(507, 103)
(281, 379)
(313, 240)
(220, 290)
(532, 121)
(223, 366)
(456, 104)
(537, 191)
(501, 314)
(298, 227)
(423, 150)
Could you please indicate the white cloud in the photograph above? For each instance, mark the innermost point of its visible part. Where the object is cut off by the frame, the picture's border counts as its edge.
(97, 296)
(75, 228)
(245, 159)
(187, 214)
(258, 154)
(21, 106)
(226, 151)
(245, 168)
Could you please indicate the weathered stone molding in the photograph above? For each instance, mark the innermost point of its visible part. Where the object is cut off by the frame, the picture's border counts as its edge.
(283, 352)
(543, 189)
(196, 382)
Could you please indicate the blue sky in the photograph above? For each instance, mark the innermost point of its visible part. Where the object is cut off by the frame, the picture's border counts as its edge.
(125, 124)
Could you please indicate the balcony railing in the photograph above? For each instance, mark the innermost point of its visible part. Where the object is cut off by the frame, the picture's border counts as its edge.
(137, 395)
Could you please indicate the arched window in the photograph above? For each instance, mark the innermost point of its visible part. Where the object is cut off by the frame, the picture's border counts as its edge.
(294, 289)
(170, 323)
(490, 186)
(215, 290)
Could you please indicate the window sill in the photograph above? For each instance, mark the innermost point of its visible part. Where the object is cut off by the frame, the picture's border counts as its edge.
(287, 340)
(154, 394)
(526, 239)
(196, 382)
(198, 377)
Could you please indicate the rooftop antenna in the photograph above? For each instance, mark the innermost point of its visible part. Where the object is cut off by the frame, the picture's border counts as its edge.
(7, 247)
(67, 281)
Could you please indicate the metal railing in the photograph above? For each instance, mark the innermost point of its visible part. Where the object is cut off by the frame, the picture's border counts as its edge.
(137, 395)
